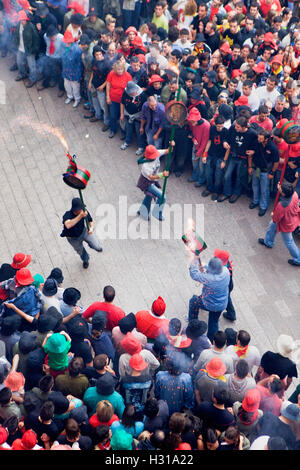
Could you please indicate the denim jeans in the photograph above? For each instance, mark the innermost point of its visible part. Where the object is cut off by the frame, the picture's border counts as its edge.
(25, 61)
(214, 174)
(157, 143)
(287, 238)
(77, 244)
(198, 173)
(52, 71)
(195, 304)
(114, 115)
(132, 127)
(261, 189)
(235, 165)
(132, 17)
(146, 204)
(100, 107)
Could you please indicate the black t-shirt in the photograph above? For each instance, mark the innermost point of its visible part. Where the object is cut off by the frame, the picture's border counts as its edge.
(232, 38)
(212, 92)
(82, 349)
(140, 77)
(213, 41)
(217, 139)
(77, 230)
(241, 141)
(274, 363)
(196, 21)
(52, 430)
(131, 105)
(101, 69)
(214, 417)
(285, 114)
(85, 442)
(264, 157)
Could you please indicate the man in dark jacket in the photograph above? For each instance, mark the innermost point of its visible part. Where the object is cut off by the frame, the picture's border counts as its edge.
(27, 45)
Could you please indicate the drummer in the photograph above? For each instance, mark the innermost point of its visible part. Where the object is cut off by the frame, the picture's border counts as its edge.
(148, 182)
(75, 231)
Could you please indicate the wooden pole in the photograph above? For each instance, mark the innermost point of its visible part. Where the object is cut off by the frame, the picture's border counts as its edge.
(83, 206)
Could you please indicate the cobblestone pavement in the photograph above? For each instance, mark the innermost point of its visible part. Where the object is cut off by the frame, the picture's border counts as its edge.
(34, 197)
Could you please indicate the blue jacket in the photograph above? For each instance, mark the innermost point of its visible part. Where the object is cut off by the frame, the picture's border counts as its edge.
(72, 63)
(215, 287)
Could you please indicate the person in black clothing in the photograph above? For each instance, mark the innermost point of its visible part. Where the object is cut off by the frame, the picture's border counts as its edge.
(232, 35)
(264, 164)
(241, 140)
(247, 32)
(56, 10)
(43, 424)
(211, 37)
(76, 232)
(100, 70)
(138, 72)
(210, 87)
(214, 154)
(279, 111)
(42, 20)
(132, 101)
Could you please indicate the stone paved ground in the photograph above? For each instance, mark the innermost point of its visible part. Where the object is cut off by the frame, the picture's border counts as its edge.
(34, 197)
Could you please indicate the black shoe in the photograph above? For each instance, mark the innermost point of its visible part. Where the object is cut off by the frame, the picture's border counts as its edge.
(262, 242)
(222, 198)
(252, 205)
(60, 93)
(111, 134)
(19, 78)
(178, 174)
(214, 197)
(292, 262)
(105, 128)
(30, 84)
(94, 119)
(85, 264)
(13, 68)
(88, 116)
(228, 317)
(122, 136)
(205, 193)
(262, 212)
(233, 198)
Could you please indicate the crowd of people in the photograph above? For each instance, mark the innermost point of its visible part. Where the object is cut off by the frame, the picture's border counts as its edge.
(235, 66)
(76, 377)
(95, 378)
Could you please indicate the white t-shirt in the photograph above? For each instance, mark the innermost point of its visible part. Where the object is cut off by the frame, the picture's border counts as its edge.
(263, 94)
(260, 443)
(252, 357)
(151, 167)
(21, 43)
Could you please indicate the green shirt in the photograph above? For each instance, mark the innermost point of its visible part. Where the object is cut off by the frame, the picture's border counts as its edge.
(161, 22)
(91, 398)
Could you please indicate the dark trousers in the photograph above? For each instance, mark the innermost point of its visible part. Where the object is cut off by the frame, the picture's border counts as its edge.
(195, 304)
(52, 71)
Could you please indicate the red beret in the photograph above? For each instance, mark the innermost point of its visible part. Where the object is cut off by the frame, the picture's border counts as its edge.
(159, 306)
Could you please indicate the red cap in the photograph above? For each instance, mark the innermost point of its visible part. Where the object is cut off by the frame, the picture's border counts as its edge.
(15, 380)
(20, 261)
(77, 8)
(3, 435)
(236, 73)
(29, 439)
(225, 47)
(184, 446)
(268, 37)
(137, 41)
(155, 78)
(216, 367)
(24, 277)
(277, 59)
(131, 29)
(22, 16)
(260, 67)
(130, 344)
(151, 152)
(68, 37)
(137, 362)
(251, 400)
(142, 58)
(242, 101)
(194, 115)
(222, 255)
(159, 306)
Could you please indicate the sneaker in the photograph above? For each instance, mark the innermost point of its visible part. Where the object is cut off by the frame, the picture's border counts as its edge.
(205, 193)
(111, 134)
(76, 103)
(105, 128)
(13, 68)
(262, 212)
(85, 264)
(214, 197)
(139, 152)
(293, 263)
(68, 100)
(262, 242)
(252, 205)
(225, 315)
(124, 146)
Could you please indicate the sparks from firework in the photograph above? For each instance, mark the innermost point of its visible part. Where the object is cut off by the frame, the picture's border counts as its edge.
(43, 129)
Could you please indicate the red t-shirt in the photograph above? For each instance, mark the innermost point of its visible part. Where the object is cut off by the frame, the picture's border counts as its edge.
(266, 124)
(150, 325)
(114, 313)
(94, 421)
(117, 85)
(283, 149)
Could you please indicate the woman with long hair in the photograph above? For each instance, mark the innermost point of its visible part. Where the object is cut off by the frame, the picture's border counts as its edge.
(116, 82)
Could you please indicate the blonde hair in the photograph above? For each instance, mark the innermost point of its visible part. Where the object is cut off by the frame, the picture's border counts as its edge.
(109, 19)
(190, 8)
(118, 65)
(104, 411)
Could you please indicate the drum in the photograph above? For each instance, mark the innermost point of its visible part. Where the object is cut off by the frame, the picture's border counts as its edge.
(76, 176)
(176, 112)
